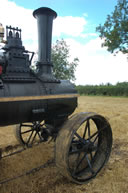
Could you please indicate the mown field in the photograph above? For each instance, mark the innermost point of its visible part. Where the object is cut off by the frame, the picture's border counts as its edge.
(113, 177)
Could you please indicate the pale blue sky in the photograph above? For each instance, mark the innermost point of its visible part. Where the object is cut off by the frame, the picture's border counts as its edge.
(76, 24)
(95, 11)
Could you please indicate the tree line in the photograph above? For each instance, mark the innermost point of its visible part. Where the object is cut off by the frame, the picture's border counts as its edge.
(120, 89)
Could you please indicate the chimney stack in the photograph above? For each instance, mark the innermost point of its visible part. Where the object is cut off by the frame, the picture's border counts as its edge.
(45, 18)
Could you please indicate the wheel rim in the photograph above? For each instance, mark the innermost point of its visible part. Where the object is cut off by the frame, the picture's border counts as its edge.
(86, 149)
(83, 146)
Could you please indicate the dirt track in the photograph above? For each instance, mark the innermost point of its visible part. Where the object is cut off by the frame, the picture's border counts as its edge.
(113, 178)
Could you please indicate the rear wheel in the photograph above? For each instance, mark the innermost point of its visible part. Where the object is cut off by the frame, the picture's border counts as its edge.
(83, 146)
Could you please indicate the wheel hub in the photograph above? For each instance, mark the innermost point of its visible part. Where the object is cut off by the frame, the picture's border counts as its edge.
(87, 147)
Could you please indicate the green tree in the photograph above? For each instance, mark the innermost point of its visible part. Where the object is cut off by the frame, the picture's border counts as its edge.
(63, 68)
(115, 29)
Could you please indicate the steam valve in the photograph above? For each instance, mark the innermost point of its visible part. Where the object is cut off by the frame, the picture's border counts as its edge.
(1, 33)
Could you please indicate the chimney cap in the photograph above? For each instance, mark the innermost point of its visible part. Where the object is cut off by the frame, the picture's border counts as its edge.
(44, 10)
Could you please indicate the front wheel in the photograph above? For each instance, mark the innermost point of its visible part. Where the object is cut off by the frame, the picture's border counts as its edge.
(29, 134)
(83, 146)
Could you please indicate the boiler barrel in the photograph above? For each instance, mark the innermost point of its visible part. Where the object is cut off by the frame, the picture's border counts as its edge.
(36, 101)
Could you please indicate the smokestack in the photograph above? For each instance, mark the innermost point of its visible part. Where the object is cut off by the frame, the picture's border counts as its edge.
(44, 18)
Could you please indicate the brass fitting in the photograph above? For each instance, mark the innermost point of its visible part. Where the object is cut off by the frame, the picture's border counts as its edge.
(1, 33)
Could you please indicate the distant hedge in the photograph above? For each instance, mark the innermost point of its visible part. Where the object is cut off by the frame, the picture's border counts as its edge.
(120, 89)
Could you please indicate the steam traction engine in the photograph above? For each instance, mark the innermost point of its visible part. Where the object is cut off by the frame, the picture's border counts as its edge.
(40, 105)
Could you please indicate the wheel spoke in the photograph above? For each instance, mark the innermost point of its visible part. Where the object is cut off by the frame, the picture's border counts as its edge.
(95, 148)
(96, 133)
(41, 125)
(75, 151)
(29, 138)
(95, 138)
(90, 165)
(39, 136)
(24, 125)
(78, 163)
(74, 171)
(85, 130)
(91, 156)
(26, 131)
(75, 141)
(80, 138)
(88, 123)
(33, 138)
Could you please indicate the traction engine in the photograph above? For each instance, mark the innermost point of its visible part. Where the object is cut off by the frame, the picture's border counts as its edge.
(40, 105)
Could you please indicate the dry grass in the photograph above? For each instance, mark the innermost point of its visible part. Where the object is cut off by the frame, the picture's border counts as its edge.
(113, 178)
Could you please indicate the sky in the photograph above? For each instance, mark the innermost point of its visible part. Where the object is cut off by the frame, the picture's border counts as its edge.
(76, 23)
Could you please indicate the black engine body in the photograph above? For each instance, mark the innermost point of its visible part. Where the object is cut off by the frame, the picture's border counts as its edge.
(26, 96)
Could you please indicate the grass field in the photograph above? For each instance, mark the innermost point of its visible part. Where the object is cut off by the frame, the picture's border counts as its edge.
(112, 179)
